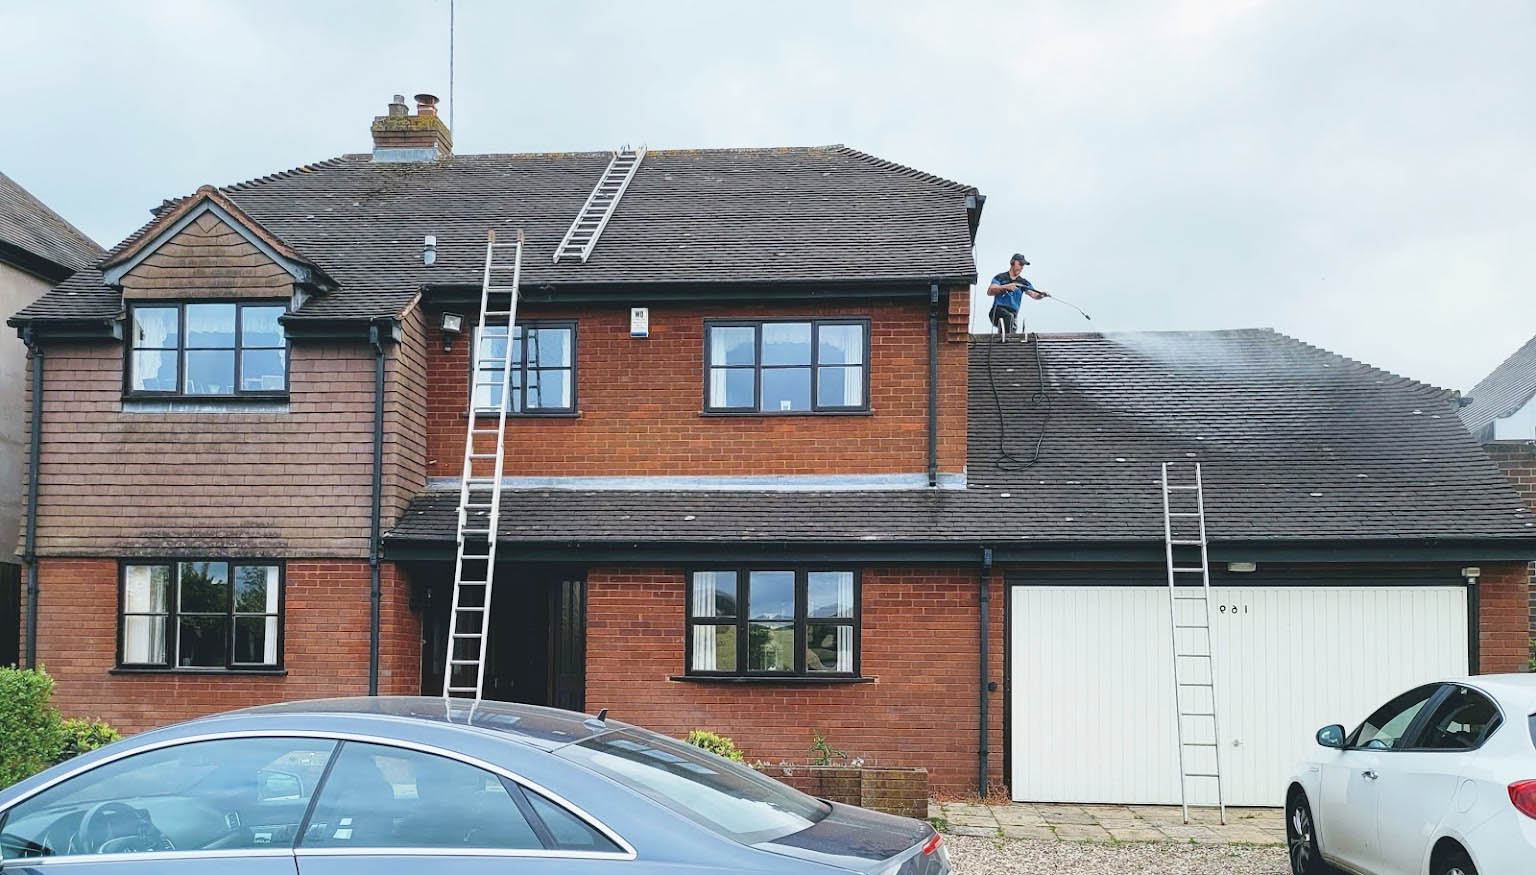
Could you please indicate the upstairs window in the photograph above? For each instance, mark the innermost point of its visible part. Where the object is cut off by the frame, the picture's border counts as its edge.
(808, 366)
(766, 621)
(207, 350)
(543, 361)
(202, 615)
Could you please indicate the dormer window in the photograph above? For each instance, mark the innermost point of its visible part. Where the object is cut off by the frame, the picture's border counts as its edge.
(222, 349)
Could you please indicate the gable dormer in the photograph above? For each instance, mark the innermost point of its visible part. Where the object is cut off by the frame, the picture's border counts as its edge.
(207, 247)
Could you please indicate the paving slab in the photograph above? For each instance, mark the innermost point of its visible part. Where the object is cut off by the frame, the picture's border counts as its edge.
(1073, 832)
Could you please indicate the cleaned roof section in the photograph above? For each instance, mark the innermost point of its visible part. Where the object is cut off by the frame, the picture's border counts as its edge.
(1508, 388)
(690, 218)
(28, 224)
(1298, 444)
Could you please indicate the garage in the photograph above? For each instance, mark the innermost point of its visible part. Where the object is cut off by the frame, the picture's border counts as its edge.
(1091, 715)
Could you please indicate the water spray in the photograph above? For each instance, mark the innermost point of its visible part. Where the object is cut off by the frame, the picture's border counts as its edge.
(1060, 300)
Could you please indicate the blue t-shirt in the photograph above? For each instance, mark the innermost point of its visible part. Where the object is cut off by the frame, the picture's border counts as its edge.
(1010, 300)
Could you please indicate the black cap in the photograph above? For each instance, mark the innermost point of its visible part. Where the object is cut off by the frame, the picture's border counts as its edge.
(1019, 256)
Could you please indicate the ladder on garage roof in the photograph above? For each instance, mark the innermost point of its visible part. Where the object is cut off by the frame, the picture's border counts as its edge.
(1189, 620)
(579, 239)
(474, 566)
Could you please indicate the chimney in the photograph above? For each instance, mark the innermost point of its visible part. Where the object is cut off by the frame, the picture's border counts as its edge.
(399, 137)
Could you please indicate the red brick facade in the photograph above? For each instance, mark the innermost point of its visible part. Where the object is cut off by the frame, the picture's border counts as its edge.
(325, 647)
(1504, 614)
(920, 645)
(1518, 461)
(640, 400)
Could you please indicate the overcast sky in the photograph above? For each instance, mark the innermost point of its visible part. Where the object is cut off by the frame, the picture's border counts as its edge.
(1361, 175)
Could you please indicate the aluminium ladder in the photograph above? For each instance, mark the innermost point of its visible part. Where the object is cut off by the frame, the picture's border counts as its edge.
(479, 488)
(594, 214)
(1189, 613)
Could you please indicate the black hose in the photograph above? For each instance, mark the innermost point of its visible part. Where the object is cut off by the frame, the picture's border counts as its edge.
(1007, 461)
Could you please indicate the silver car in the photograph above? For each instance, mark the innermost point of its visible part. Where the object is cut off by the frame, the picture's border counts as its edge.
(375, 785)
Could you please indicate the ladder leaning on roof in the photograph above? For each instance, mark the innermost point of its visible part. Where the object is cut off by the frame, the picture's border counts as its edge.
(480, 490)
(1189, 619)
(594, 214)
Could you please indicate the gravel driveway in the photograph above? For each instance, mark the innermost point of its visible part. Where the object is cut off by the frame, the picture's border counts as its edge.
(981, 856)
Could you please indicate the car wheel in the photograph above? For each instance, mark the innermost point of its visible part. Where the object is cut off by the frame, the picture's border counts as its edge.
(1301, 838)
(1455, 862)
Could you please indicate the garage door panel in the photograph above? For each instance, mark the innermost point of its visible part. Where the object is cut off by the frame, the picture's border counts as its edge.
(1093, 715)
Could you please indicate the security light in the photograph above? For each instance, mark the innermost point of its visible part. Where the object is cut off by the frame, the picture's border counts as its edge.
(453, 326)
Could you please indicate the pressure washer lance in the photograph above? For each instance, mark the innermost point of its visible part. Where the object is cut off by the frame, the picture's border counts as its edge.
(1068, 303)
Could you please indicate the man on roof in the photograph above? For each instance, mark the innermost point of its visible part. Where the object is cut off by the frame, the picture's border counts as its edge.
(1007, 292)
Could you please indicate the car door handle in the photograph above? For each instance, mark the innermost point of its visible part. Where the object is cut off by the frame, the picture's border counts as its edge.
(1370, 774)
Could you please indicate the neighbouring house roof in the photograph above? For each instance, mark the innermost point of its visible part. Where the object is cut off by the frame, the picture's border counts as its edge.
(1296, 444)
(28, 227)
(1506, 390)
(690, 220)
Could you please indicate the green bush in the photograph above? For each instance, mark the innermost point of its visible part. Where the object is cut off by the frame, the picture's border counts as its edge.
(31, 733)
(83, 736)
(715, 744)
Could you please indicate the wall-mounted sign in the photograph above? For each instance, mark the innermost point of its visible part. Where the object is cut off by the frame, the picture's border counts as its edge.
(639, 322)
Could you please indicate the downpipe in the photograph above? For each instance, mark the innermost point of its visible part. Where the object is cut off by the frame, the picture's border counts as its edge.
(933, 384)
(35, 455)
(375, 594)
(984, 587)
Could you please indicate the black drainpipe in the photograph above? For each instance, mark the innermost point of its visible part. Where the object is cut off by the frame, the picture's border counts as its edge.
(933, 384)
(985, 586)
(1474, 626)
(35, 452)
(375, 595)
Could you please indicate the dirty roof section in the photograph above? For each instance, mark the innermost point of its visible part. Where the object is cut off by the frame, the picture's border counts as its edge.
(690, 219)
(27, 224)
(1508, 388)
(1297, 444)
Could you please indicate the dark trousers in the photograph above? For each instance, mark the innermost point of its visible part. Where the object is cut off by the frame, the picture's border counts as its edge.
(1005, 318)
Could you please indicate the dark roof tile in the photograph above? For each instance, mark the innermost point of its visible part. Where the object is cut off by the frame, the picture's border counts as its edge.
(29, 225)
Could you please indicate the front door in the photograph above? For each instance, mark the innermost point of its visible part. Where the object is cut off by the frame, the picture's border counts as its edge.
(537, 648)
(568, 643)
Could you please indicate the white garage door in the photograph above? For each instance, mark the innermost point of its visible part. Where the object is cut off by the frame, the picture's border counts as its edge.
(1093, 714)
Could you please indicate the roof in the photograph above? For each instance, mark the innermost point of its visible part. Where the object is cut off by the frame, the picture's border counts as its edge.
(691, 219)
(27, 225)
(1296, 443)
(1508, 388)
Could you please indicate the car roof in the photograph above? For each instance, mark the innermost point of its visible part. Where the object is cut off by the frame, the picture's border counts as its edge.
(545, 728)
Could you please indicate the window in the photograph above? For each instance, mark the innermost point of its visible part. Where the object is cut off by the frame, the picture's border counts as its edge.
(207, 349)
(1462, 721)
(228, 795)
(387, 797)
(543, 380)
(201, 614)
(815, 366)
(773, 622)
(723, 796)
(1385, 729)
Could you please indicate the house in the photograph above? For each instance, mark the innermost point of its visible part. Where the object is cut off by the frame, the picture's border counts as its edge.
(1500, 411)
(38, 250)
(772, 504)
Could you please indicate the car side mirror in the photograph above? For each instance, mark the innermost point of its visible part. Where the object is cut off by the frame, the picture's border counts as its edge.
(1331, 736)
(274, 786)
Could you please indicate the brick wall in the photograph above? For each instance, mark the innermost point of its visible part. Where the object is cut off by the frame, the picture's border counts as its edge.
(919, 644)
(325, 646)
(271, 484)
(1518, 461)
(1504, 605)
(640, 401)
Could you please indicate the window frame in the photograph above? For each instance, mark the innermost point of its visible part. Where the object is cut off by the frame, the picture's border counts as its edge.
(1410, 734)
(174, 613)
(742, 621)
(524, 413)
(757, 367)
(181, 349)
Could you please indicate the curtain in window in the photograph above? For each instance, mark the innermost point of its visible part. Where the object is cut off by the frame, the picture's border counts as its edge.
(705, 657)
(145, 589)
(845, 648)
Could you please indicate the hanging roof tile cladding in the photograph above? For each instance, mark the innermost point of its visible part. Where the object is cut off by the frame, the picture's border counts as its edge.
(691, 218)
(1296, 444)
(1507, 389)
(28, 224)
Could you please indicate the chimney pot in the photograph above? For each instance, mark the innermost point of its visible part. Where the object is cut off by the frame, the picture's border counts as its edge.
(426, 104)
(401, 137)
(397, 107)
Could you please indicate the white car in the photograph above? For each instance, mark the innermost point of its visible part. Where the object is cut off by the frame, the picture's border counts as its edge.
(1440, 780)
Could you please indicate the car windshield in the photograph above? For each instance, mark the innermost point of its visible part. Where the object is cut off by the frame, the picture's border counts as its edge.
(728, 798)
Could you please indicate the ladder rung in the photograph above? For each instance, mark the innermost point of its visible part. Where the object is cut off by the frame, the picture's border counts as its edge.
(475, 608)
(1201, 744)
(1197, 714)
(484, 455)
(1187, 684)
(1183, 513)
(466, 634)
(1180, 626)
(463, 690)
(1193, 655)
(1188, 570)
(1189, 598)
(1182, 543)
(463, 662)
(474, 555)
(1171, 488)
(469, 581)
